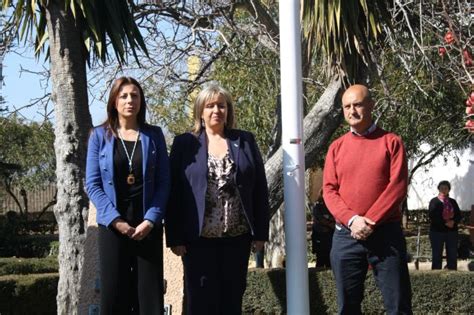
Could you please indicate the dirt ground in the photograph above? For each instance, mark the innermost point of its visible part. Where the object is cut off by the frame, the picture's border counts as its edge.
(463, 265)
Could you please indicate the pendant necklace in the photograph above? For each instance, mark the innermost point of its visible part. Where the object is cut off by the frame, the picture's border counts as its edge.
(130, 177)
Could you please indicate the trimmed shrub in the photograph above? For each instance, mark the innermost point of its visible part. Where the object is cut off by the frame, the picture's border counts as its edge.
(442, 292)
(28, 246)
(425, 246)
(28, 294)
(421, 216)
(433, 291)
(16, 266)
(9, 229)
(26, 238)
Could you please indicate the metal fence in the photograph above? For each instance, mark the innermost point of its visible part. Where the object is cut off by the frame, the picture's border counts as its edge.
(37, 199)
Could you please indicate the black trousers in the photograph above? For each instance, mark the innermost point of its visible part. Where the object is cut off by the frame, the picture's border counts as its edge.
(131, 273)
(385, 250)
(216, 275)
(322, 242)
(438, 239)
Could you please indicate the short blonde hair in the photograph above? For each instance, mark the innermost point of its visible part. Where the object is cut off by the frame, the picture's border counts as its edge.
(205, 96)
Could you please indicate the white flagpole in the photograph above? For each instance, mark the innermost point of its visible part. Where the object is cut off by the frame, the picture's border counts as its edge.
(297, 293)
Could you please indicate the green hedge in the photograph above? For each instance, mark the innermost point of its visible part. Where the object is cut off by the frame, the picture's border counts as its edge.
(16, 266)
(433, 291)
(22, 238)
(439, 292)
(421, 216)
(28, 245)
(28, 294)
(425, 246)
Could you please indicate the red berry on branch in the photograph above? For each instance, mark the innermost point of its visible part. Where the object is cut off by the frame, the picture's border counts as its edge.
(442, 51)
(467, 57)
(449, 38)
(470, 126)
(469, 111)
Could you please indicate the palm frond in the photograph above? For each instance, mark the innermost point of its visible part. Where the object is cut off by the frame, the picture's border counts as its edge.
(341, 30)
(98, 21)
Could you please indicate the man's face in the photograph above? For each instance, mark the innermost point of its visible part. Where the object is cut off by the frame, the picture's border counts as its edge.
(357, 109)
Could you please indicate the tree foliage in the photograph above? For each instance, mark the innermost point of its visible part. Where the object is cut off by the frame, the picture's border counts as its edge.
(26, 155)
(252, 76)
(30, 145)
(430, 123)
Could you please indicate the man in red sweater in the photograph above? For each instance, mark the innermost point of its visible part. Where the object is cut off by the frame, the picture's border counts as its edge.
(365, 182)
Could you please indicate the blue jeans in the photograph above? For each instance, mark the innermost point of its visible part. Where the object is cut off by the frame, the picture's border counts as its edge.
(438, 239)
(385, 250)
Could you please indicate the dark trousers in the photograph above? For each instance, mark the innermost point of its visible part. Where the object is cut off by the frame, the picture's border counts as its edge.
(259, 258)
(215, 273)
(131, 273)
(385, 250)
(322, 242)
(438, 239)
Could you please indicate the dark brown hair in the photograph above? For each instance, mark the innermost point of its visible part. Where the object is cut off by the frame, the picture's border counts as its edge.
(111, 123)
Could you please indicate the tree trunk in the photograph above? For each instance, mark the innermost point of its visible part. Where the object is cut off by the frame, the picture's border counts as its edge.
(73, 122)
(9, 190)
(25, 203)
(318, 127)
(275, 254)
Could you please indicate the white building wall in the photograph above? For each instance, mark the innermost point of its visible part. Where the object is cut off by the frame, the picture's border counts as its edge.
(425, 181)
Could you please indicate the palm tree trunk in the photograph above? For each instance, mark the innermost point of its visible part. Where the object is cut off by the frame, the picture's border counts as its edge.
(72, 125)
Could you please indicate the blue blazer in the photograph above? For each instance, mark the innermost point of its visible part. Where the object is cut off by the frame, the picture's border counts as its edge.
(100, 174)
(188, 160)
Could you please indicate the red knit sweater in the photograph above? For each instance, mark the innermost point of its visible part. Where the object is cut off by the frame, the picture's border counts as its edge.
(367, 176)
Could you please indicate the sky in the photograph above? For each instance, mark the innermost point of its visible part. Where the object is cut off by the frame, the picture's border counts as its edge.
(21, 87)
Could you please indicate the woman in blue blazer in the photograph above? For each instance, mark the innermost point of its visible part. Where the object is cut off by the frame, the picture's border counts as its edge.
(127, 180)
(218, 207)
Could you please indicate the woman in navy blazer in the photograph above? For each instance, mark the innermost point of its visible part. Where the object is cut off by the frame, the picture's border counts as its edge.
(127, 180)
(218, 207)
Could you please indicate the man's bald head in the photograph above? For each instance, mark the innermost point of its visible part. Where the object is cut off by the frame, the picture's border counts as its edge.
(357, 105)
(361, 90)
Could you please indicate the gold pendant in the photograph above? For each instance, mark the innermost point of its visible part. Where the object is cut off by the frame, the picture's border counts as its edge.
(130, 179)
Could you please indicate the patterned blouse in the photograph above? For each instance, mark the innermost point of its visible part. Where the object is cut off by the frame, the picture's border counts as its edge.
(224, 215)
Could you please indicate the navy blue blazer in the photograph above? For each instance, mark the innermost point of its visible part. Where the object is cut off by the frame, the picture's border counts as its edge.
(186, 206)
(100, 174)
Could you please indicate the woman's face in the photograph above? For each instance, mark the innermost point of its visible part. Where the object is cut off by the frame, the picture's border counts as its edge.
(214, 113)
(128, 101)
(444, 190)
